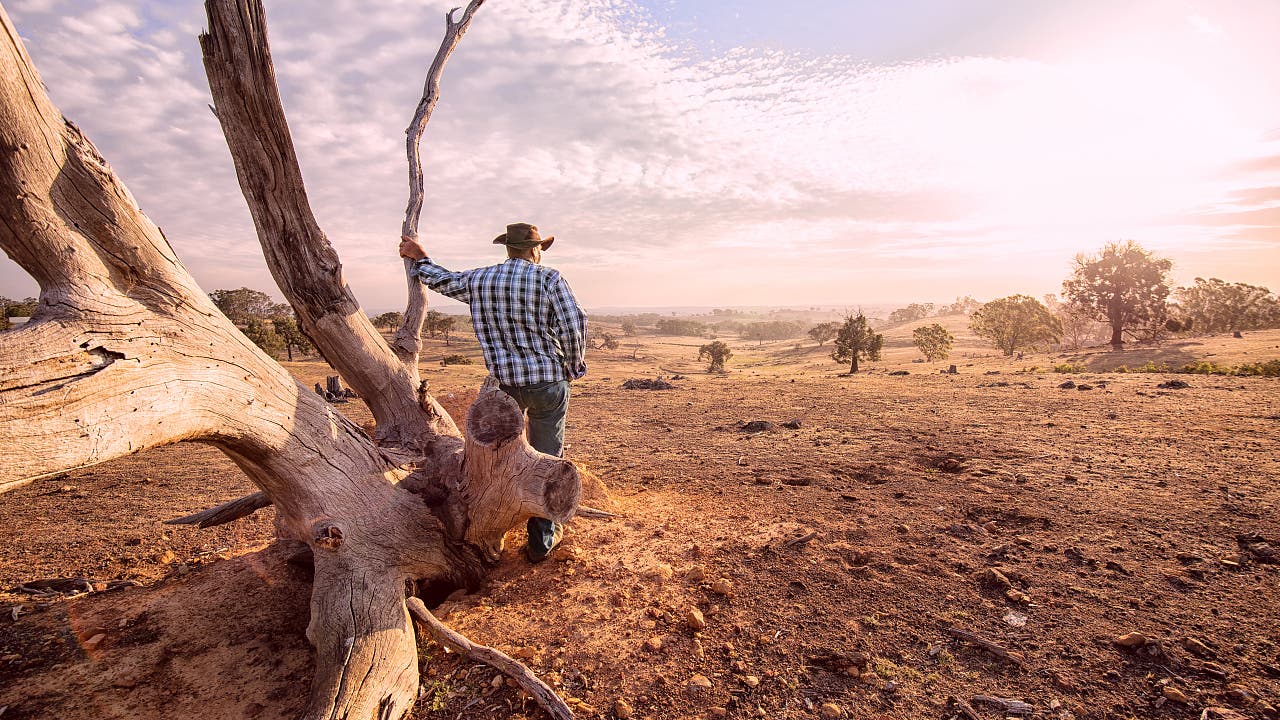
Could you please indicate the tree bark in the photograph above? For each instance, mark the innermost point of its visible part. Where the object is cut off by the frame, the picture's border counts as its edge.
(126, 352)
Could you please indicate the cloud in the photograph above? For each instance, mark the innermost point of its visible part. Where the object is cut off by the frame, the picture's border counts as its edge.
(646, 156)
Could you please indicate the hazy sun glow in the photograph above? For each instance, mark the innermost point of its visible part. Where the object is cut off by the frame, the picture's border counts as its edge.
(678, 168)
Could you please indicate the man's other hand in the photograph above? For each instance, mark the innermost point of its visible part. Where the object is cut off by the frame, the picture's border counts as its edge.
(411, 248)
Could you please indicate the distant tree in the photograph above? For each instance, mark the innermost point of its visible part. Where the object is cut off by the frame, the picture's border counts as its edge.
(18, 308)
(678, 326)
(933, 341)
(855, 340)
(1214, 306)
(910, 313)
(388, 321)
(962, 306)
(718, 353)
(431, 323)
(1124, 285)
(265, 337)
(608, 341)
(445, 325)
(242, 305)
(823, 332)
(628, 328)
(291, 335)
(1014, 323)
(1079, 327)
(771, 330)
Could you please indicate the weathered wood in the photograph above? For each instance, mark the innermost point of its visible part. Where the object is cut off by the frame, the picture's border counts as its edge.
(546, 698)
(126, 352)
(226, 512)
(991, 647)
(506, 481)
(237, 59)
(408, 339)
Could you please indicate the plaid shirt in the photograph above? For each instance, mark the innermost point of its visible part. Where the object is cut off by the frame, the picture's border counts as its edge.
(530, 327)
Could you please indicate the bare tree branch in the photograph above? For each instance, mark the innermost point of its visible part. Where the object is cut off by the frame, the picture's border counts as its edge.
(408, 340)
(546, 697)
(237, 60)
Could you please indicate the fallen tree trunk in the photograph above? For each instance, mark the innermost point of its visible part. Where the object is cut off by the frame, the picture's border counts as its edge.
(126, 352)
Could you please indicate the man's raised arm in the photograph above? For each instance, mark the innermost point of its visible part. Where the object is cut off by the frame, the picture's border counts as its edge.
(446, 282)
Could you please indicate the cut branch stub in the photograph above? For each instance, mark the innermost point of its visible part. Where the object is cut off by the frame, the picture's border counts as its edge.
(408, 340)
(506, 480)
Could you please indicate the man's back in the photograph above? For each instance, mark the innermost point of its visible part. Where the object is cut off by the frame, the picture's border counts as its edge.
(529, 325)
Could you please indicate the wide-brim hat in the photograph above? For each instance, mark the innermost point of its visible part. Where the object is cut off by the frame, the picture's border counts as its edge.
(523, 236)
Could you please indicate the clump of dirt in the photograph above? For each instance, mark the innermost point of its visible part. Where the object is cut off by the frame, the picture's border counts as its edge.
(647, 384)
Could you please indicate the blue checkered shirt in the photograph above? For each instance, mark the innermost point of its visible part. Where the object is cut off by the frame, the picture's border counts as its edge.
(530, 327)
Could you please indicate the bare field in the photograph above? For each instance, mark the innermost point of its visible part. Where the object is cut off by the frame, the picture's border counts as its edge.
(850, 544)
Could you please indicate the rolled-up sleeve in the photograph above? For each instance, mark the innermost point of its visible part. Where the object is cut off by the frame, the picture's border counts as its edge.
(446, 282)
(570, 324)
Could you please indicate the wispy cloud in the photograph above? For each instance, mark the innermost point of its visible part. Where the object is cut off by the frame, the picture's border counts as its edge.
(686, 172)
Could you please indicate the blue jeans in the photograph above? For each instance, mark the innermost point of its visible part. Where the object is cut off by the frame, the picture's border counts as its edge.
(545, 406)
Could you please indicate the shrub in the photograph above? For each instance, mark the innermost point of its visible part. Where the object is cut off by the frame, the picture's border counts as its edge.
(455, 360)
(1270, 368)
(1069, 368)
(718, 353)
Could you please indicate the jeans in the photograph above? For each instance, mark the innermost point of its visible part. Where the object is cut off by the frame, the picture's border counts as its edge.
(545, 406)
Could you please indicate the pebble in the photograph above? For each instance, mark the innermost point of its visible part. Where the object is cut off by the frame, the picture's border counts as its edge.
(1197, 647)
(722, 587)
(1176, 695)
(751, 681)
(699, 682)
(995, 577)
(653, 644)
(717, 712)
(661, 572)
(1241, 695)
(697, 574)
(622, 709)
(694, 619)
(93, 642)
(1131, 639)
(830, 711)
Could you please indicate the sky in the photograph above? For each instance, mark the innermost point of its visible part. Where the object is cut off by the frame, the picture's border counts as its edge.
(697, 153)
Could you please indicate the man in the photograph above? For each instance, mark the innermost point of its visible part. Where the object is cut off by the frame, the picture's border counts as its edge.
(532, 333)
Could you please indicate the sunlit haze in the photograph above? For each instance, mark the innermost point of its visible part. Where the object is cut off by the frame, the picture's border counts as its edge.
(715, 154)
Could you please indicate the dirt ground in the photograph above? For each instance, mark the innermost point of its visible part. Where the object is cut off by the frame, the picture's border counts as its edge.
(836, 561)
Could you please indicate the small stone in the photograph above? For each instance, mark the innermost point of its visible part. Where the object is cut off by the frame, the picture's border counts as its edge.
(699, 682)
(661, 572)
(653, 644)
(1176, 695)
(869, 678)
(1241, 695)
(1017, 596)
(994, 577)
(717, 712)
(751, 681)
(496, 682)
(722, 587)
(622, 709)
(694, 619)
(1197, 647)
(904, 529)
(738, 666)
(168, 557)
(1131, 640)
(697, 574)
(830, 711)
(93, 642)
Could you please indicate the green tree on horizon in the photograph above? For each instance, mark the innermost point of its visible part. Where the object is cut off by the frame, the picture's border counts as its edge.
(856, 339)
(1017, 322)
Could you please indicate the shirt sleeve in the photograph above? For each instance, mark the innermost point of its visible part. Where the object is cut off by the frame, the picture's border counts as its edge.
(446, 282)
(570, 324)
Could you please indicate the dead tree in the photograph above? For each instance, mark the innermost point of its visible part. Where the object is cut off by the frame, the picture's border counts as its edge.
(126, 352)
